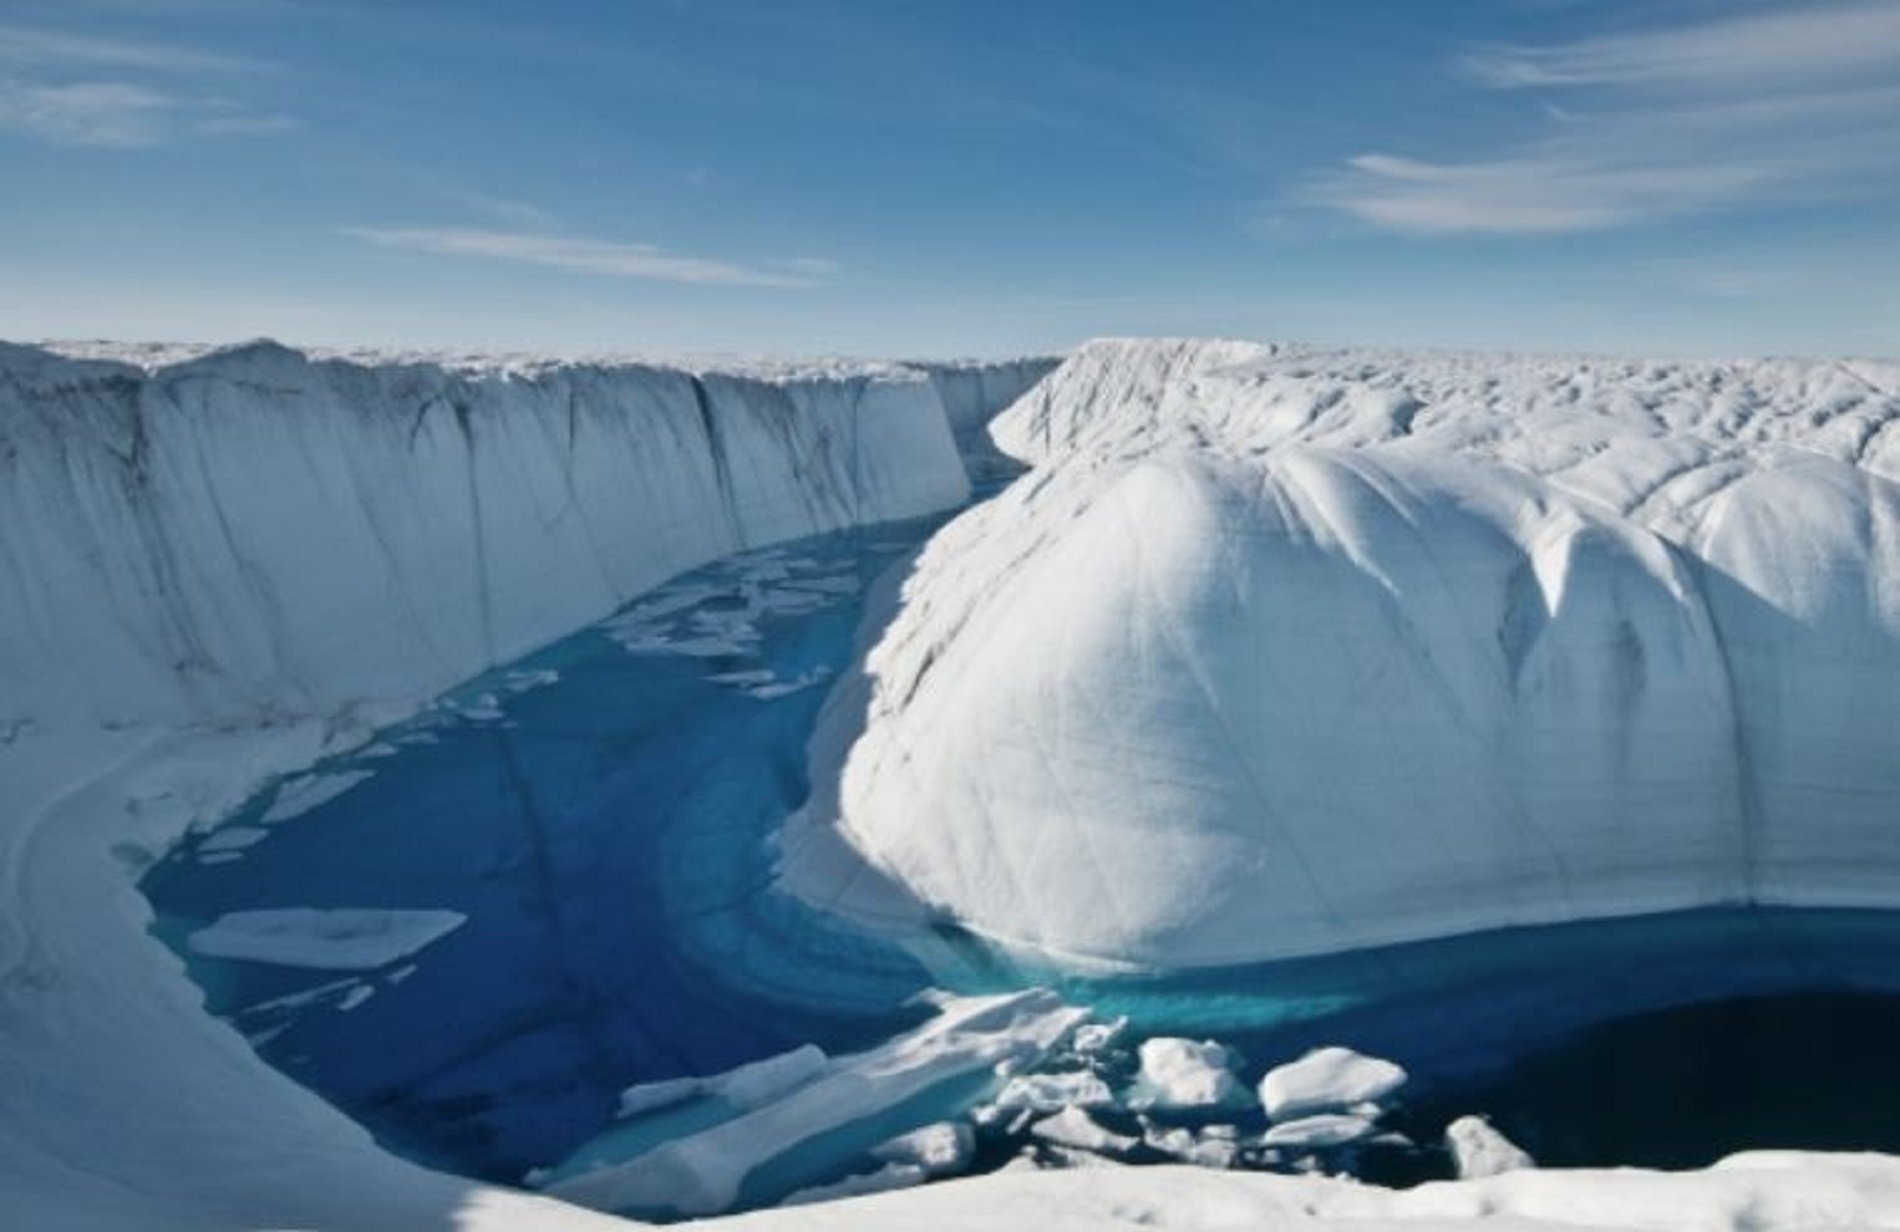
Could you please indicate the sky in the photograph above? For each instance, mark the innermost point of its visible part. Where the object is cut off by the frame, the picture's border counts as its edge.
(964, 177)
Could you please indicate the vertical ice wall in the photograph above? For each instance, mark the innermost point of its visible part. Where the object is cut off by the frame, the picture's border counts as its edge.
(254, 535)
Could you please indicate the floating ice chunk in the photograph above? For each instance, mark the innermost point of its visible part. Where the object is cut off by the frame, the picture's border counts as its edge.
(702, 1173)
(523, 681)
(885, 1179)
(797, 684)
(836, 585)
(645, 1097)
(1182, 1073)
(712, 647)
(1076, 1129)
(668, 601)
(1478, 1149)
(762, 675)
(750, 1086)
(938, 1150)
(1319, 1131)
(232, 838)
(787, 602)
(745, 1086)
(220, 857)
(1207, 1149)
(1052, 1092)
(339, 939)
(1054, 1156)
(335, 990)
(298, 796)
(1094, 1037)
(484, 709)
(355, 997)
(638, 638)
(1327, 1080)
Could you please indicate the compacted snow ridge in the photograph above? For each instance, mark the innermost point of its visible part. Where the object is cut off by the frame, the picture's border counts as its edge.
(1281, 651)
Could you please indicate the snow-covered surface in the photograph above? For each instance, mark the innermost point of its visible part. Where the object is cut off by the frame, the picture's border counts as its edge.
(1761, 1191)
(1328, 1080)
(1478, 1149)
(216, 567)
(336, 939)
(1282, 651)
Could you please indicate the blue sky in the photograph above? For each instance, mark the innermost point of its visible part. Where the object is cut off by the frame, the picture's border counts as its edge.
(972, 177)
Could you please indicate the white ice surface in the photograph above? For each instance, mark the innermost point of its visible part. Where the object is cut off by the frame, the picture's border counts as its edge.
(1318, 1131)
(1076, 1129)
(1282, 651)
(1478, 1149)
(701, 1174)
(333, 939)
(941, 1149)
(745, 1086)
(1328, 1079)
(1182, 1073)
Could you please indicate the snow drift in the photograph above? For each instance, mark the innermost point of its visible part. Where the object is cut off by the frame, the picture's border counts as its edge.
(1284, 651)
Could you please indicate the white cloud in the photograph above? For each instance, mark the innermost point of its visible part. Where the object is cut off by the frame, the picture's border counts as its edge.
(121, 114)
(41, 47)
(1742, 112)
(1808, 41)
(591, 256)
(47, 91)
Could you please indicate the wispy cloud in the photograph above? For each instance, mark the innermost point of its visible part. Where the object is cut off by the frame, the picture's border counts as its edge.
(40, 47)
(121, 115)
(1761, 110)
(52, 90)
(1805, 42)
(590, 256)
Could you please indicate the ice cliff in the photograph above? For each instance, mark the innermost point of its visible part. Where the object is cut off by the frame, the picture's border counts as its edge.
(256, 535)
(1281, 650)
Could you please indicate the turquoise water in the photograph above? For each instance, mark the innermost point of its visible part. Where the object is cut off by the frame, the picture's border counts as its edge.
(600, 811)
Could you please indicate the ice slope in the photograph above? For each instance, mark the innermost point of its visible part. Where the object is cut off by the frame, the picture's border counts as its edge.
(1283, 651)
(215, 565)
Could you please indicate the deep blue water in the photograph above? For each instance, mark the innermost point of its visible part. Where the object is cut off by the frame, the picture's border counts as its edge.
(606, 840)
(606, 834)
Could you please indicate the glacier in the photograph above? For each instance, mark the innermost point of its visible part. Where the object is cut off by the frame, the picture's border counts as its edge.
(1619, 637)
(1653, 599)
